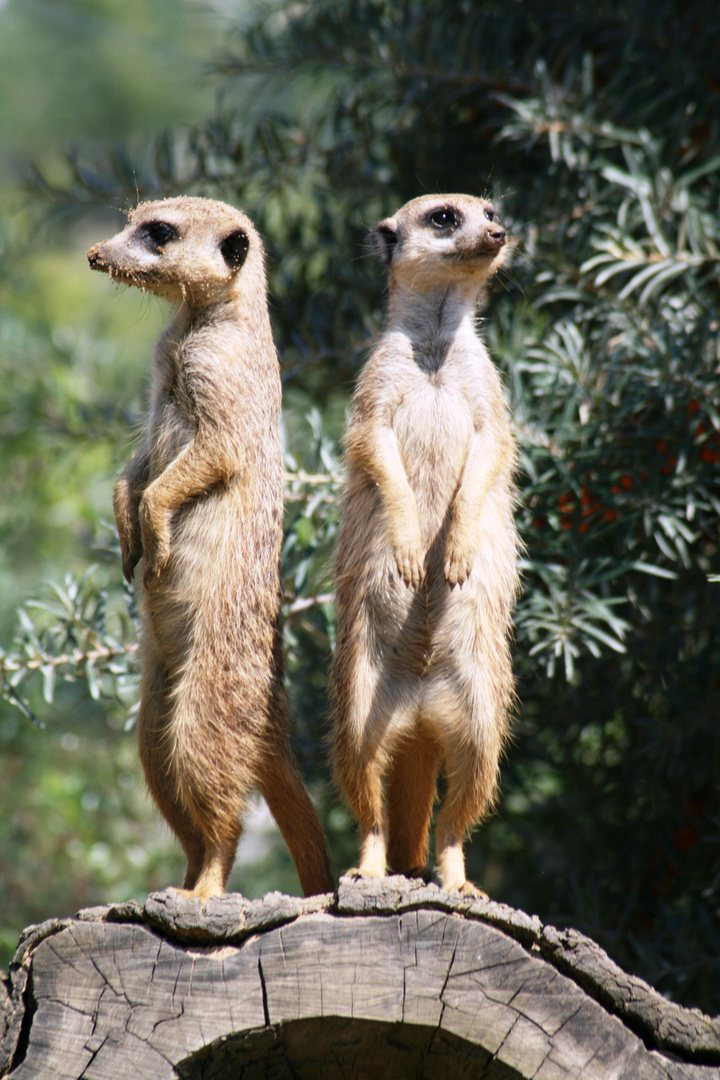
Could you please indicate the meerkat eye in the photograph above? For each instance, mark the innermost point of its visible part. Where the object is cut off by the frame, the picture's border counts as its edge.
(160, 232)
(447, 218)
(490, 213)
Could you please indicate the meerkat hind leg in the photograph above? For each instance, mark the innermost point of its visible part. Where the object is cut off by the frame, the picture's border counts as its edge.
(411, 791)
(470, 788)
(215, 870)
(365, 796)
(156, 758)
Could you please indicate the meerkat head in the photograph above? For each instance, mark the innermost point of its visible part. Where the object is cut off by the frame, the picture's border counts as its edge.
(185, 249)
(435, 239)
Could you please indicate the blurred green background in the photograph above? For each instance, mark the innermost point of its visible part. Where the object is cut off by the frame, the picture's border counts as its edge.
(596, 128)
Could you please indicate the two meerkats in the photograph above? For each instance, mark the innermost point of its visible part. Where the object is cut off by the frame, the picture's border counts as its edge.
(425, 571)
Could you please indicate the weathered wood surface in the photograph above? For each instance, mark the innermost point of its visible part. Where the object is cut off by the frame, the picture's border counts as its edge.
(383, 979)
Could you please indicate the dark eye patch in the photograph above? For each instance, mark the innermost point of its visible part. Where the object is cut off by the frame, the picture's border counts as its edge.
(490, 213)
(444, 218)
(234, 249)
(160, 232)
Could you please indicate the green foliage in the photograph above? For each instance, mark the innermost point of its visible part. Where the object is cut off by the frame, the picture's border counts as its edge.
(598, 127)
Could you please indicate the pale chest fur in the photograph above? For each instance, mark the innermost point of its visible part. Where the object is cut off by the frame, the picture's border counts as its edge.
(433, 424)
(439, 400)
(172, 422)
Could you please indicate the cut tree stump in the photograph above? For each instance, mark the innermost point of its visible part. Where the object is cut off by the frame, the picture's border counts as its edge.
(390, 978)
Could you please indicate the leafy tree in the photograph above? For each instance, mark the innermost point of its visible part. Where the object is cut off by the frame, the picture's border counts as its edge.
(598, 129)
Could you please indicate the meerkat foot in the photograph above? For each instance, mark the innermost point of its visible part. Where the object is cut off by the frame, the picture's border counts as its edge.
(203, 895)
(466, 888)
(359, 873)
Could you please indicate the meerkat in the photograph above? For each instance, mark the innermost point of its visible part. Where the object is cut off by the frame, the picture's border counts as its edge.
(426, 558)
(201, 502)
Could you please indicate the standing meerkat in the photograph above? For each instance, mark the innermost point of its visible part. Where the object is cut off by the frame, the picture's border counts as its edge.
(426, 562)
(202, 503)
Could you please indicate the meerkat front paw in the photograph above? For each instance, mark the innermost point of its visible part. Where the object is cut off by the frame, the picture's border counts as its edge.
(458, 562)
(128, 526)
(156, 559)
(409, 560)
(155, 542)
(131, 551)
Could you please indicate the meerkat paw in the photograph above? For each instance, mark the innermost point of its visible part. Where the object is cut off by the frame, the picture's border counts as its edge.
(458, 564)
(410, 563)
(359, 873)
(154, 566)
(201, 894)
(131, 551)
(156, 546)
(466, 888)
(128, 565)
(155, 530)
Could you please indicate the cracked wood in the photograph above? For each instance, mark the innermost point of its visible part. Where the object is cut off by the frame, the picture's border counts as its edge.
(383, 978)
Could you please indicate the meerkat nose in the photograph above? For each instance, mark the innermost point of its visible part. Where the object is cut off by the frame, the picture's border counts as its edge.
(498, 235)
(94, 257)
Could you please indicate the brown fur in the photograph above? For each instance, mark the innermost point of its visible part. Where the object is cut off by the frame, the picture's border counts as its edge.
(202, 502)
(426, 574)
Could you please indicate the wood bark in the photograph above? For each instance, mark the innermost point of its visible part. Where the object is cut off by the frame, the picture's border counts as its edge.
(389, 978)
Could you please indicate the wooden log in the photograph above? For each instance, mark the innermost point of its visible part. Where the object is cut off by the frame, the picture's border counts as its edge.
(390, 978)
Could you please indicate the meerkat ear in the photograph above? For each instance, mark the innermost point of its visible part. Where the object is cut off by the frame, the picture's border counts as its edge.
(234, 249)
(383, 240)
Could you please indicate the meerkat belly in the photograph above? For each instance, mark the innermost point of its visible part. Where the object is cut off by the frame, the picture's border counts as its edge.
(172, 432)
(433, 426)
(224, 535)
(214, 596)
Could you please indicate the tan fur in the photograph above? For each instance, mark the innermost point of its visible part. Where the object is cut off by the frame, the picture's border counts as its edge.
(202, 502)
(426, 575)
